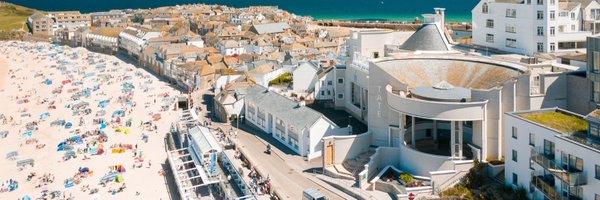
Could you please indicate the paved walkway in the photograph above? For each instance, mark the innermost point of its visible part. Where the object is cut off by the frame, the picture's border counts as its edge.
(284, 167)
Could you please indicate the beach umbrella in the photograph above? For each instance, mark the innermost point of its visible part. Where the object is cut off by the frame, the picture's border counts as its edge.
(127, 131)
(102, 126)
(26, 197)
(119, 179)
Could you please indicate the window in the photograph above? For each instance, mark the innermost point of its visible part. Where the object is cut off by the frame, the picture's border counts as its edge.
(594, 131)
(328, 92)
(540, 31)
(340, 96)
(573, 16)
(511, 42)
(510, 29)
(515, 180)
(597, 197)
(322, 93)
(572, 27)
(552, 31)
(511, 13)
(595, 14)
(552, 2)
(552, 15)
(485, 8)
(489, 23)
(540, 14)
(552, 47)
(375, 54)
(540, 2)
(572, 163)
(340, 80)
(489, 38)
(549, 149)
(597, 173)
(329, 82)
(596, 61)
(514, 155)
(514, 132)
(532, 139)
(540, 47)
(596, 91)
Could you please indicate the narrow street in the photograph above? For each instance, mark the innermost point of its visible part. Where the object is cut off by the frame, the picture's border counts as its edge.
(284, 167)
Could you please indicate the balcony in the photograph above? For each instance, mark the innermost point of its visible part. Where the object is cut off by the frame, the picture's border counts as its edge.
(573, 178)
(545, 184)
(439, 110)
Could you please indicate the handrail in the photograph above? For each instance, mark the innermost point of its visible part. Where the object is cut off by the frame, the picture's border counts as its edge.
(452, 179)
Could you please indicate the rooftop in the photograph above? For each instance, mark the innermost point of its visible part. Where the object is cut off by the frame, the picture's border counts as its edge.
(557, 119)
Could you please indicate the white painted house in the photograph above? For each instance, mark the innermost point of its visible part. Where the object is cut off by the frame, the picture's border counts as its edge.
(556, 158)
(264, 72)
(534, 26)
(135, 39)
(231, 47)
(298, 127)
(305, 77)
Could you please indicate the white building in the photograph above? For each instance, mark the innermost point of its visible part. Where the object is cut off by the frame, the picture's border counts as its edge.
(135, 39)
(297, 126)
(231, 47)
(264, 72)
(553, 153)
(104, 37)
(534, 26)
(305, 77)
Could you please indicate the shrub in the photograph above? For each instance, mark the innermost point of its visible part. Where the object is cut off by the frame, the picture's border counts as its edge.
(460, 191)
(406, 178)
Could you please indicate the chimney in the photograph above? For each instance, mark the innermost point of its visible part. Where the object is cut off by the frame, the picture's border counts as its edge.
(442, 12)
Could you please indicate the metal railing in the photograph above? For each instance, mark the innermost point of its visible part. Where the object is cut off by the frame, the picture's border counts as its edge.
(573, 178)
(544, 184)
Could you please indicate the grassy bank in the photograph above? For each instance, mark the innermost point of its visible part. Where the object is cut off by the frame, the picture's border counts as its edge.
(14, 17)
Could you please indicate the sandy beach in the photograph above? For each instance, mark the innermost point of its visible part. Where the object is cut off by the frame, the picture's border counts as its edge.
(70, 112)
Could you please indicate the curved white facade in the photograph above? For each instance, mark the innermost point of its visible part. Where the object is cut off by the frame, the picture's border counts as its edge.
(451, 111)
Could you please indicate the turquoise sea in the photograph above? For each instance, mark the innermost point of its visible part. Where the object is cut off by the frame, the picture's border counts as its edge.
(398, 10)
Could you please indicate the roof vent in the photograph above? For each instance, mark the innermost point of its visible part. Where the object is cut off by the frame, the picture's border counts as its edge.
(443, 86)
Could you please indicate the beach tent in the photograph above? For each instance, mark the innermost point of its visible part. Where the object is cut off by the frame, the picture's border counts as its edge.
(102, 126)
(26, 197)
(118, 113)
(48, 82)
(68, 125)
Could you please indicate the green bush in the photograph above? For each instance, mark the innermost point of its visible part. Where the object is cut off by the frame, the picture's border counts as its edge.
(460, 191)
(285, 78)
(406, 177)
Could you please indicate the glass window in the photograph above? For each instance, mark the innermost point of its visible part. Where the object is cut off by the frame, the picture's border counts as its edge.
(596, 61)
(540, 30)
(552, 46)
(597, 173)
(552, 15)
(340, 80)
(549, 149)
(532, 139)
(514, 132)
(514, 155)
(594, 133)
(329, 82)
(511, 42)
(515, 180)
(512, 13)
(510, 28)
(540, 14)
(489, 38)
(485, 8)
(340, 96)
(540, 2)
(540, 47)
(489, 23)
(552, 31)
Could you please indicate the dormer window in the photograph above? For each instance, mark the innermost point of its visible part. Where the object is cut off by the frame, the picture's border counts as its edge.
(485, 8)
